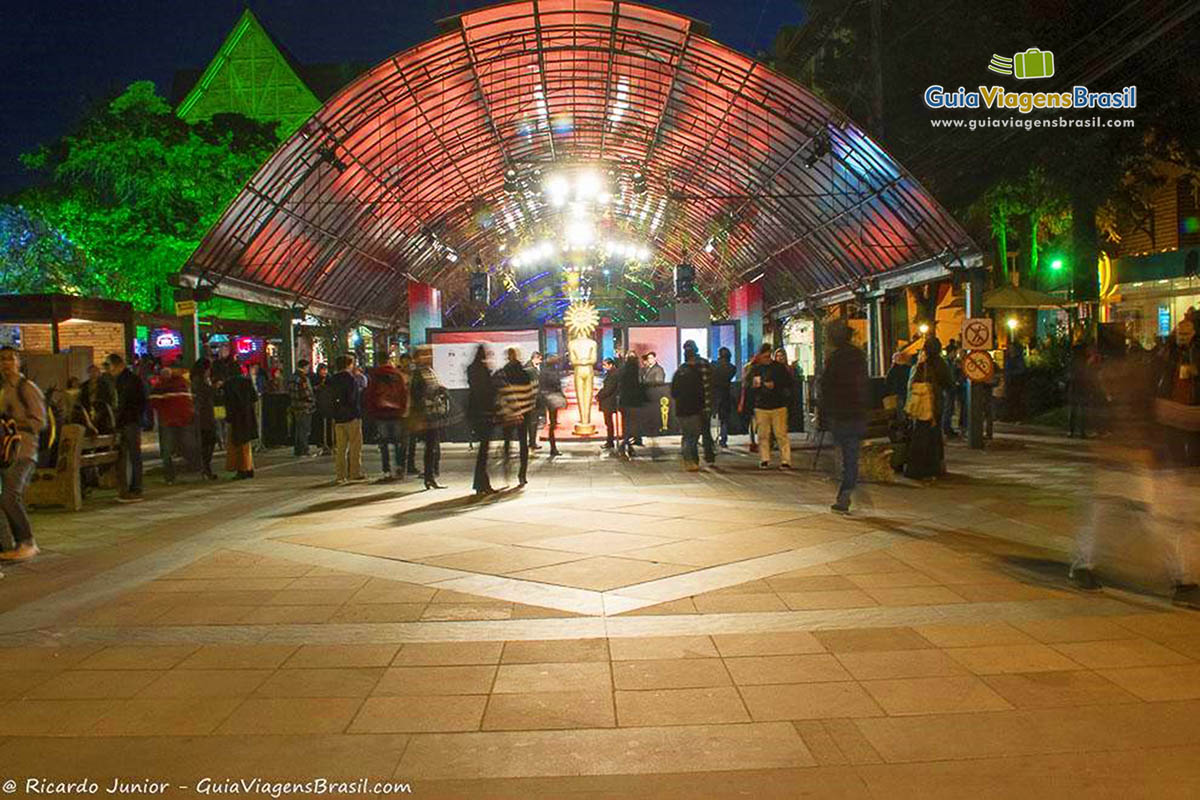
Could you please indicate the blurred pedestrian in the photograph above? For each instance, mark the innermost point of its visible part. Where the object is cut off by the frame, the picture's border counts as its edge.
(302, 403)
(516, 403)
(346, 412)
(241, 419)
(171, 399)
(631, 397)
(481, 416)
(927, 385)
(22, 404)
(131, 405)
(203, 396)
(607, 398)
(770, 382)
(551, 392)
(534, 368)
(691, 403)
(722, 386)
(845, 397)
(386, 404)
(429, 409)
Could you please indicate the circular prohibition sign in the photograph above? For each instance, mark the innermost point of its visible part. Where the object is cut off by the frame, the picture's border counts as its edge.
(978, 366)
(976, 335)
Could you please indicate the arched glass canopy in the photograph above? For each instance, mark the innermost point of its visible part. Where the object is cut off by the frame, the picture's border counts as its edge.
(439, 156)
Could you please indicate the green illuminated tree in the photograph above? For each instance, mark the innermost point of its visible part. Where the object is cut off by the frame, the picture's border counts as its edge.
(135, 188)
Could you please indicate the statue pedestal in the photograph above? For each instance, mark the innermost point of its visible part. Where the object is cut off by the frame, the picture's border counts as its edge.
(581, 429)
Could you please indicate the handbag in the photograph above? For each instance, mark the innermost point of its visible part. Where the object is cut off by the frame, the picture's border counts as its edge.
(920, 401)
(890, 402)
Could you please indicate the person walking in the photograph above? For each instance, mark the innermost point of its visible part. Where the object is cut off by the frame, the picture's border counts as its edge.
(607, 399)
(631, 396)
(408, 439)
(241, 422)
(171, 399)
(346, 412)
(429, 409)
(551, 391)
(534, 368)
(303, 402)
(950, 395)
(749, 392)
(1079, 389)
(481, 416)
(131, 405)
(723, 373)
(845, 396)
(205, 417)
(927, 386)
(896, 382)
(516, 404)
(691, 403)
(706, 375)
(788, 376)
(22, 403)
(386, 404)
(770, 381)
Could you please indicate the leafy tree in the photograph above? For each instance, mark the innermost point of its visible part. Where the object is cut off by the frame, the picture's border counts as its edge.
(135, 188)
(36, 258)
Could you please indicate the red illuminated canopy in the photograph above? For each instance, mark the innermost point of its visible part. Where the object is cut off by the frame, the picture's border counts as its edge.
(401, 175)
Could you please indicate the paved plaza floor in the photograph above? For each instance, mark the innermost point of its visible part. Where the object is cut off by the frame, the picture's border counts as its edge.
(614, 630)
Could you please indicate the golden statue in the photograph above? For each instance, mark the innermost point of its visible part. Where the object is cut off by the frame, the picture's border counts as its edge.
(582, 319)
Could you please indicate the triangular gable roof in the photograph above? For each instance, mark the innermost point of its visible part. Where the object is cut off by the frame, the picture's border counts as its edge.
(252, 75)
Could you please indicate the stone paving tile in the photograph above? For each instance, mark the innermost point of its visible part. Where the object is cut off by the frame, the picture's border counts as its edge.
(175, 716)
(554, 710)
(808, 701)
(880, 664)
(292, 715)
(21, 718)
(681, 673)
(604, 752)
(184, 683)
(448, 653)
(419, 714)
(934, 695)
(1158, 683)
(1120, 653)
(93, 684)
(758, 670)
(332, 682)
(776, 643)
(992, 633)
(851, 640)
(552, 677)
(436, 680)
(545, 651)
(238, 656)
(710, 705)
(1057, 689)
(133, 657)
(661, 647)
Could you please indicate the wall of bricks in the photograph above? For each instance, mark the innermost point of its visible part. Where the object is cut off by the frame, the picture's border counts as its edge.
(102, 337)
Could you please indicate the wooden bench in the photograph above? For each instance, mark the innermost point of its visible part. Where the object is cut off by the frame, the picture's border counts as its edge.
(62, 484)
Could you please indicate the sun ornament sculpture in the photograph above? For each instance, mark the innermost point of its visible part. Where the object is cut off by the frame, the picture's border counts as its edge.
(581, 319)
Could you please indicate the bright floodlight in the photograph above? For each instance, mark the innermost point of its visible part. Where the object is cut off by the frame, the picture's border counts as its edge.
(1012, 323)
(557, 189)
(923, 328)
(708, 246)
(643, 253)
(579, 233)
(588, 185)
(546, 249)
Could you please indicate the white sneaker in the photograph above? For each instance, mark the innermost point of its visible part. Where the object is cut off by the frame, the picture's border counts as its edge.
(22, 552)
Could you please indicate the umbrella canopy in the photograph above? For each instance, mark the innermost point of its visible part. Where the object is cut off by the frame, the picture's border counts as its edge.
(1018, 297)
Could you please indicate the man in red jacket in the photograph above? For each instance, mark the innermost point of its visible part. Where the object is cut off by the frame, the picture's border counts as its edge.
(171, 399)
(386, 402)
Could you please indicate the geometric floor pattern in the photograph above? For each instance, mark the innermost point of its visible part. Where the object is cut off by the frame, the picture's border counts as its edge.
(613, 630)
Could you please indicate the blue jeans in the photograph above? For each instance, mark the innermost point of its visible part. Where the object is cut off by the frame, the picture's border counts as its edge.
(689, 426)
(302, 430)
(129, 464)
(170, 441)
(848, 436)
(391, 431)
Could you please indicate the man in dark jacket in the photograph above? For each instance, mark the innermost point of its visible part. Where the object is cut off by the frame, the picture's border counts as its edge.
(607, 397)
(481, 416)
(303, 403)
(631, 396)
(771, 383)
(723, 373)
(691, 404)
(534, 367)
(171, 399)
(844, 401)
(386, 404)
(131, 406)
(706, 373)
(346, 411)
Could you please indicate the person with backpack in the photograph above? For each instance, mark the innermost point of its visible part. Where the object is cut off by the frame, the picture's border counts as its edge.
(927, 385)
(481, 416)
(517, 399)
(691, 403)
(386, 404)
(429, 408)
(171, 399)
(131, 405)
(23, 415)
(344, 406)
(302, 403)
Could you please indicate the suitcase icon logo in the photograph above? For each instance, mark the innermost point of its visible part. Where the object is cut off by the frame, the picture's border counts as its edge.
(1033, 63)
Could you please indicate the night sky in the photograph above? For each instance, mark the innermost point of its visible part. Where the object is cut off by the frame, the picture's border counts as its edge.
(60, 55)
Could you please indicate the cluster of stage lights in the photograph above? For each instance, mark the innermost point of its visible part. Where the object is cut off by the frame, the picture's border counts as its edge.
(544, 251)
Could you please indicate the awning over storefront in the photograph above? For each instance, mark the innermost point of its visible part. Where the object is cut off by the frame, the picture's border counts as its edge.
(435, 157)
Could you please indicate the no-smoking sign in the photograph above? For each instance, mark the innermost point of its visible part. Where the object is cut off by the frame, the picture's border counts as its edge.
(978, 366)
(977, 334)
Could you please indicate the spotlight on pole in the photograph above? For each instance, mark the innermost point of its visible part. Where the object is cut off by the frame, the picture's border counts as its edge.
(640, 184)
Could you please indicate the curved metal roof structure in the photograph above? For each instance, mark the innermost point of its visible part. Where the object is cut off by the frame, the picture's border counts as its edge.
(402, 174)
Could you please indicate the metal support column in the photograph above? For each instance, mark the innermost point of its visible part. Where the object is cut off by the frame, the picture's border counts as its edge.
(189, 330)
(875, 344)
(287, 340)
(975, 390)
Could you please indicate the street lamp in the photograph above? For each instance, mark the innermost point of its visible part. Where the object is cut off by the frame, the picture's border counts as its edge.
(1012, 323)
(923, 328)
(1056, 264)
